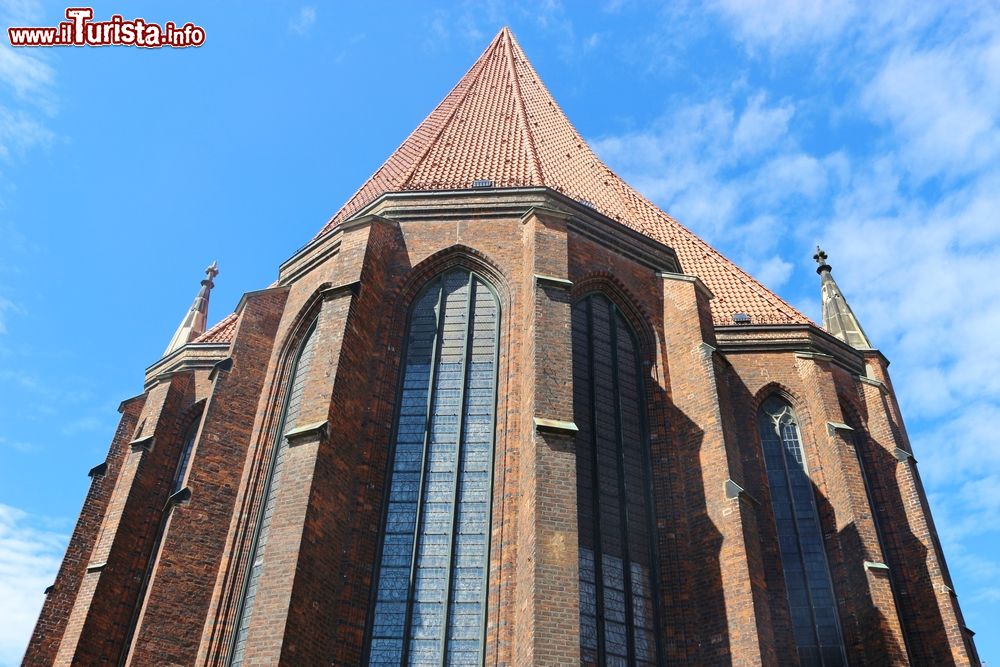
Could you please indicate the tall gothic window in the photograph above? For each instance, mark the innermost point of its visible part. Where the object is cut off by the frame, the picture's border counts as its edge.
(272, 486)
(430, 601)
(813, 608)
(618, 591)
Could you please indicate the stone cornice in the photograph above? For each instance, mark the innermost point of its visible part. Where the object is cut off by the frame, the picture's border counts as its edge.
(875, 383)
(551, 281)
(833, 427)
(470, 204)
(734, 491)
(556, 426)
(249, 295)
(144, 443)
(308, 432)
(807, 341)
(334, 291)
(702, 287)
(193, 356)
(223, 366)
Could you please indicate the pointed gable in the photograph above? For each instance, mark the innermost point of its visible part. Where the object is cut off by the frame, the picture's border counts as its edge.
(501, 123)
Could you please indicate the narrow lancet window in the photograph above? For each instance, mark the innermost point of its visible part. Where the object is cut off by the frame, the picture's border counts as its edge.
(185, 458)
(811, 602)
(619, 617)
(430, 601)
(289, 419)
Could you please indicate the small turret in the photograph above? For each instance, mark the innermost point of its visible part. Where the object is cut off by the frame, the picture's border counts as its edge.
(193, 324)
(838, 318)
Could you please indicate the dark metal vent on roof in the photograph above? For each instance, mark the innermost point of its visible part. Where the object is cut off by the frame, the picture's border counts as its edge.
(741, 318)
(482, 183)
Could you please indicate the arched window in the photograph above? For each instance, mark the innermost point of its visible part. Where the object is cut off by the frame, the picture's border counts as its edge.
(185, 458)
(619, 618)
(430, 599)
(811, 603)
(289, 419)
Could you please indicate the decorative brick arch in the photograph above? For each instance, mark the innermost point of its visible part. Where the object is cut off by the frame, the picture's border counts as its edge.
(804, 419)
(607, 284)
(450, 257)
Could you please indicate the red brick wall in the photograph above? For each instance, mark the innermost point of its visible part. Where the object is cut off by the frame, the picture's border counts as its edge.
(106, 601)
(59, 602)
(722, 595)
(178, 597)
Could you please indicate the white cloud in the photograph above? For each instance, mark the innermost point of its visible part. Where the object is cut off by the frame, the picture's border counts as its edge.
(18, 445)
(5, 306)
(713, 163)
(904, 194)
(303, 21)
(21, 12)
(760, 127)
(19, 131)
(22, 127)
(24, 72)
(789, 175)
(82, 425)
(782, 24)
(773, 272)
(30, 553)
(943, 105)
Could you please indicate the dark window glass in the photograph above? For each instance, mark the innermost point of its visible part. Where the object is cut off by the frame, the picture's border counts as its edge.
(290, 416)
(618, 593)
(813, 608)
(431, 589)
(185, 459)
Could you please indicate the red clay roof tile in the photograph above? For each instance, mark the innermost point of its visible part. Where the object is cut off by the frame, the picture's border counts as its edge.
(221, 332)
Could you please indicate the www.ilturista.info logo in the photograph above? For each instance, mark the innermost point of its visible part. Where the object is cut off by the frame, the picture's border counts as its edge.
(80, 30)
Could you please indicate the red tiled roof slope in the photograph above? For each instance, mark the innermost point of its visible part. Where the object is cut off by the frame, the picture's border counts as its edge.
(501, 123)
(221, 332)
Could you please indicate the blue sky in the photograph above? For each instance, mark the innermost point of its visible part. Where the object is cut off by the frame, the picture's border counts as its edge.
(763, 126)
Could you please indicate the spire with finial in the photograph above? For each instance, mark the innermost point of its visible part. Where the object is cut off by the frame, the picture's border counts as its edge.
(838, 318)
(193, 324)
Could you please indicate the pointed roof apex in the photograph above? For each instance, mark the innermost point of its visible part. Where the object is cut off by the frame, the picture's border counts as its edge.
(838, 318)
(501, 124)
(193, 324)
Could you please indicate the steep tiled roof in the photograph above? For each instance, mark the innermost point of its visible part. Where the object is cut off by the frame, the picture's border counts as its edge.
(501, 123)
(221, 332)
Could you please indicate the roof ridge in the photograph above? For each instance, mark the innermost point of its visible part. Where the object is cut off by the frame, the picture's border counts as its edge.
(525, 123)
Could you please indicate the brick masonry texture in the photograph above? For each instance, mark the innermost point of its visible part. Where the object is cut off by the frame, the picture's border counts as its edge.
(721, 588)
(151, 581)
